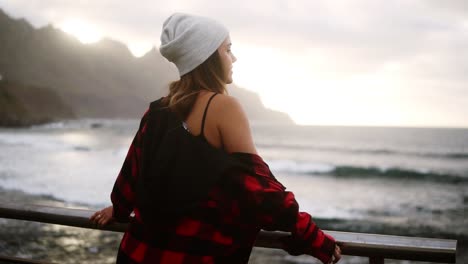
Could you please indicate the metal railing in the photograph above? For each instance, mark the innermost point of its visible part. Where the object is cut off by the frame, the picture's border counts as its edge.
(375, 247)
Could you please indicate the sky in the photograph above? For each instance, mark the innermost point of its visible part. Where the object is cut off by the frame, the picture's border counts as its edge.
(352, 63)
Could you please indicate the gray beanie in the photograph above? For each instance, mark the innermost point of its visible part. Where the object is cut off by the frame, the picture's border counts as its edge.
(189, 40)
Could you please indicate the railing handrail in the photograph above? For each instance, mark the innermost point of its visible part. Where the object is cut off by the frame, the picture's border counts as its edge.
(373, 246)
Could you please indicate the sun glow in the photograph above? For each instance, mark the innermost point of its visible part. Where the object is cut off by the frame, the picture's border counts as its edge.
(297, 85)
(139, 49)
(85, 32)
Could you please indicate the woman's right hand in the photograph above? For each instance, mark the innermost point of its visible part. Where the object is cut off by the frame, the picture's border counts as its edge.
(336, 255)
(104, 216)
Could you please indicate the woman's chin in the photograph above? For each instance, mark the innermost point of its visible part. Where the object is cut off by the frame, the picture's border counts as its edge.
(229, 81)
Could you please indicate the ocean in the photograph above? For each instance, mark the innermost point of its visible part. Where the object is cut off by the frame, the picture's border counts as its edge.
(400, 181)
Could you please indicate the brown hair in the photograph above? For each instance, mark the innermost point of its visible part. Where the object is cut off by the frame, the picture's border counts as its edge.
(207, 76)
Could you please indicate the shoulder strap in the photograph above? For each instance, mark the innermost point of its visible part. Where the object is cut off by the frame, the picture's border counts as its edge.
(202, 133)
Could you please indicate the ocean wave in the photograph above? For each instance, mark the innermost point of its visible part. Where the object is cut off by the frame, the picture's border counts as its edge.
(299, 167)
(380, 226)
(377, 151)
(396, 173)
(86, 123)
(341, 171)
(39, 141)
(36, 140)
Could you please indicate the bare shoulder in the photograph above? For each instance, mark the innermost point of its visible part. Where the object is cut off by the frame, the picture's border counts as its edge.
(229, 105)
(233, 125)
(229, 111)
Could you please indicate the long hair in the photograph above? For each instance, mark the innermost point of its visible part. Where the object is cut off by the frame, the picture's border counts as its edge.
(207, 76)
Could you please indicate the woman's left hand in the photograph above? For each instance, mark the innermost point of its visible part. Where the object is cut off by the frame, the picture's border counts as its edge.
(103, 217)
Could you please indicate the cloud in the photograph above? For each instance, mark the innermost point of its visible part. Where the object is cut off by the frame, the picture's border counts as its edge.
(362, 38)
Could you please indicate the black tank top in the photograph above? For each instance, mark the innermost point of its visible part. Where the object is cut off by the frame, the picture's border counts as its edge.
(178, 169)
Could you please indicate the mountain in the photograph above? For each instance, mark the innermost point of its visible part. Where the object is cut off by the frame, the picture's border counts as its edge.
(27, 105)
(100, 80)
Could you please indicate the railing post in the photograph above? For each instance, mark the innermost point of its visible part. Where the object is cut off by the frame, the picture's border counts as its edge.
(376, 260)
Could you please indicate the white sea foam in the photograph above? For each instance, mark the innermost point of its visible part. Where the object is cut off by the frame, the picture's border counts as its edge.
(39, 141)
(299, 167)
(73, 176)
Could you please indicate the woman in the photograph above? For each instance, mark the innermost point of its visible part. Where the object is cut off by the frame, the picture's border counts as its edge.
(192, 177)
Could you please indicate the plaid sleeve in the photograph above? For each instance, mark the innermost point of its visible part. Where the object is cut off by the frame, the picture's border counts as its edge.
(273, 208)
(123, 193)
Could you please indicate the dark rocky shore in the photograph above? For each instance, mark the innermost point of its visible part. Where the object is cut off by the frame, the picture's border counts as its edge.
(63, 244)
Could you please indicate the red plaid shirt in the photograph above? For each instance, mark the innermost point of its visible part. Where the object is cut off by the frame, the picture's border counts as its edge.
(224, 227)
